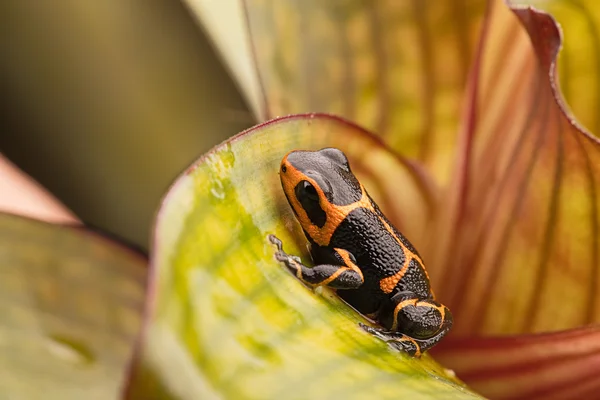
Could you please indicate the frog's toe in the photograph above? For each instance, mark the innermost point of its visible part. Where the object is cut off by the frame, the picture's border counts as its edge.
(406, 345)
(378, 332)
(396, 340)
(276, 241)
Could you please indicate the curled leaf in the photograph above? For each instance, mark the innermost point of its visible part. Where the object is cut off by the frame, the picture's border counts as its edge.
(579, 59)
(522, 254)
(70, 308)
(231, 40)
(396, 67)
(522, 248)
(228, 321)
(553, 366)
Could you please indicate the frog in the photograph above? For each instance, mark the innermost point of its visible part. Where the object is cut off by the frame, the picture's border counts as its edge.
(358, 253)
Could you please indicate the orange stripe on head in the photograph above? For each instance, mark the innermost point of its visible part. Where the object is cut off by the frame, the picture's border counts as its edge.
(290, 178)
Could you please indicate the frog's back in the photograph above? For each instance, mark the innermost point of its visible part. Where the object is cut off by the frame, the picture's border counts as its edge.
(388, 261)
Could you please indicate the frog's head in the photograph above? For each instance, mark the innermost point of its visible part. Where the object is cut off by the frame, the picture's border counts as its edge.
(317, 183)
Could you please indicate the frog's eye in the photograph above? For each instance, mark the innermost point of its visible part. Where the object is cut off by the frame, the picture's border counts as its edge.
(308, 197)
(305, 190)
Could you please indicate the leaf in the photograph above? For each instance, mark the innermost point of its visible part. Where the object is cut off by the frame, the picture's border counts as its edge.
(549, 366)
(523, 253)
(524, 220)
(22, 195)
(70, 303)
(228, 321)
(232, 42)
(579, 60)
(397, 68)
(106, 119)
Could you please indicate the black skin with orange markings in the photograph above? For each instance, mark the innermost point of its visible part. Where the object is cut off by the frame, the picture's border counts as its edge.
(357, 251)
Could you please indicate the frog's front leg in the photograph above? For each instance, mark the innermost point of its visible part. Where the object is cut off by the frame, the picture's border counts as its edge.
(345, 275)
(412, 324)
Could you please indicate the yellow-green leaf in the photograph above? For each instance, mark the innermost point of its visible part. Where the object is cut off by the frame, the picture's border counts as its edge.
(70, 309)
(396, 67)
(228, 321)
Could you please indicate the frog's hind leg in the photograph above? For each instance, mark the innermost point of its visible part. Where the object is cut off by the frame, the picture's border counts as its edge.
(412, 324)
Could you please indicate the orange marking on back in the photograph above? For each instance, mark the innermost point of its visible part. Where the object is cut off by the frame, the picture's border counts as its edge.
(388, 284)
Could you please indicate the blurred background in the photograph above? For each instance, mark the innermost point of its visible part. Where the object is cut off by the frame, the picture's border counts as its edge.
(105, 103)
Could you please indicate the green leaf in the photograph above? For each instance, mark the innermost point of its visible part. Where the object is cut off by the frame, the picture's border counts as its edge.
(228, 321)
(397, 68)
(70, 309)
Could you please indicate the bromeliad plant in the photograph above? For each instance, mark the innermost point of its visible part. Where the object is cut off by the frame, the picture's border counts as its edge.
(502, 203)
(511, 232)
(477, 160)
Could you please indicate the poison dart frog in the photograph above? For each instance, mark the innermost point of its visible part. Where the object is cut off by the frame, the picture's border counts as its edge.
(358, 252)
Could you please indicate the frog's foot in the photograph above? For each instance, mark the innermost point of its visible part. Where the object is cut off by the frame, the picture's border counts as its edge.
(397, 340)
(290, 261)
